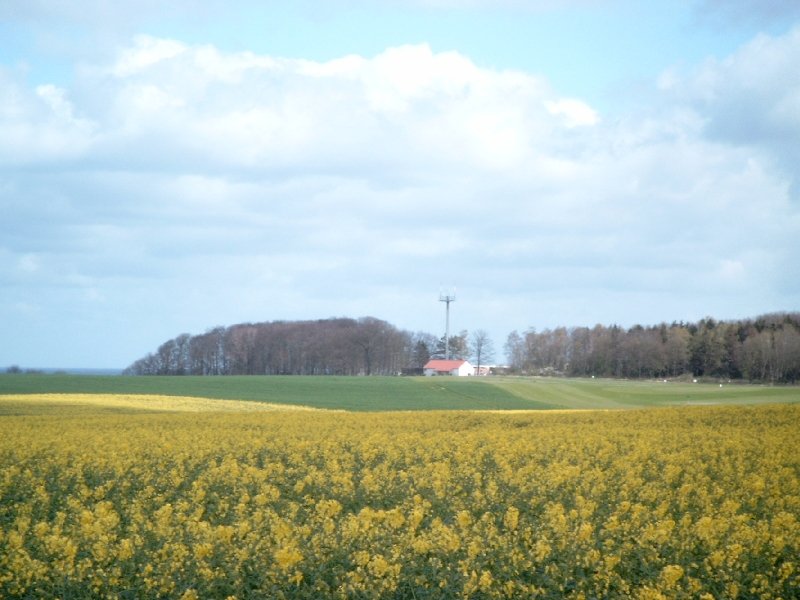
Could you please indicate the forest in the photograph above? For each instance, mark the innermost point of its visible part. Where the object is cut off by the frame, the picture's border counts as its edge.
(339, 346)
(764, 349)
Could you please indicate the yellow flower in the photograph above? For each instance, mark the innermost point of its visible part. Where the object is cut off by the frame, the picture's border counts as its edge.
(464, 519)
(361, 558)
(671, 574)
(716, 558)
(372, 519)
(287, 557)
(485, 581)
(378, 566)
(421, 545)
(329, 508)
(511, 518)
(648, 593)
(585, 532)
(203, 550)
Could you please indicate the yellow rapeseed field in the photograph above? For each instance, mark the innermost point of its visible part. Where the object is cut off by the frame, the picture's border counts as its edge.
(693, 502)
(139, 402)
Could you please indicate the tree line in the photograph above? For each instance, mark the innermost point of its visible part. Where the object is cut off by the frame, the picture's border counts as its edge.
(763, 349)
(337, 346)
(340, 346)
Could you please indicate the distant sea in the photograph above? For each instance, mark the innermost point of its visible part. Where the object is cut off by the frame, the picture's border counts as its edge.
(82, 371)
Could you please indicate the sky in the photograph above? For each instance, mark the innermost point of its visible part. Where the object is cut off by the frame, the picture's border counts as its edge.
(169, 170)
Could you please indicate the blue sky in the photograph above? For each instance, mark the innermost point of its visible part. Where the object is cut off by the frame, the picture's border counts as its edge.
(587, 48)
(560, 163)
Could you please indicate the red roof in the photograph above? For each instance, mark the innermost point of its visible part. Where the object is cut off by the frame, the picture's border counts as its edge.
(444, 365)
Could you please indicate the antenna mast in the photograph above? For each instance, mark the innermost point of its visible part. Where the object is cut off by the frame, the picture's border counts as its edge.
(447, 298)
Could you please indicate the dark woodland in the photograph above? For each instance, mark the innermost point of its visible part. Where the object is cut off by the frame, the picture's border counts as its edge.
(764, 349)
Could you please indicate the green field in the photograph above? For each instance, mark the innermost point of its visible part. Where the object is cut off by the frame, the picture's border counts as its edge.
(412, 393)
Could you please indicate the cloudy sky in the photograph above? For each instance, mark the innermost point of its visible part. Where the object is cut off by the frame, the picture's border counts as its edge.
(559, 163)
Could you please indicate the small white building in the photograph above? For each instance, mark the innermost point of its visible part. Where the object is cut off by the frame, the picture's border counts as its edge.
(456, 368)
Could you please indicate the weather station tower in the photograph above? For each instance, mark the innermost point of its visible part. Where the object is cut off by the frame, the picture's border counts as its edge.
(447, 298)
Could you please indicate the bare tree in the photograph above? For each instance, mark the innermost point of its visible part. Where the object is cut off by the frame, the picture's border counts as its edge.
(481, 347)
(423, 348)
(515, 350)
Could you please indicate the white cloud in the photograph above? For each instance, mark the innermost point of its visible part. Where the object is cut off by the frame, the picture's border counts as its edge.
(39, 125)
(574, 112)
(197, 104)
(146, 52)
(179, 186)
(751, 97)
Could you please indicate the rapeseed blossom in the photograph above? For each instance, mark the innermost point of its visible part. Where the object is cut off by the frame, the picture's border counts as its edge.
(696, 502)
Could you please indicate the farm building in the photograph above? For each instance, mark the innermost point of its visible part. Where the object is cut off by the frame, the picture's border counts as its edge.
(458, 368)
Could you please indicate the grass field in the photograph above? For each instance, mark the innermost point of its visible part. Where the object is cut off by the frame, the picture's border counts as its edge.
(410, 393)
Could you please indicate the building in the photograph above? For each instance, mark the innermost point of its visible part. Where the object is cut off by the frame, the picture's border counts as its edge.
(457, 368)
